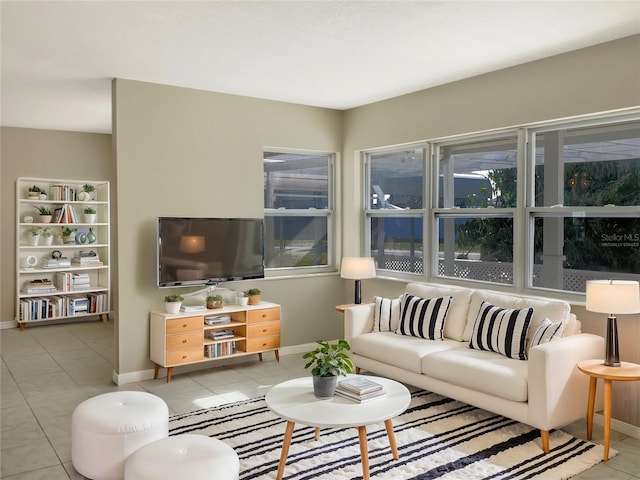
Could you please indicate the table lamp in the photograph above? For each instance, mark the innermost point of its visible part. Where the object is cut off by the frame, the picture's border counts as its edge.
(613, 297)
(358, 268)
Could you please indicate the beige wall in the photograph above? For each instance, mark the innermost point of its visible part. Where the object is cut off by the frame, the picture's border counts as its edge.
(187, 152)
(43, 154)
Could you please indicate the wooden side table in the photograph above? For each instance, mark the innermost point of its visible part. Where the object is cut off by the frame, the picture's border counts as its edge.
(626, 372)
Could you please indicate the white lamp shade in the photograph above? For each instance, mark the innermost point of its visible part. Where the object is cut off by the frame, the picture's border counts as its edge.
(613, 296)
(357, 268)
(192, 243)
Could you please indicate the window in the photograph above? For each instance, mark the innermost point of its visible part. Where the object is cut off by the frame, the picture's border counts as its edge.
(477, 195)
(586, 220)
(298, 201)
(395, 208)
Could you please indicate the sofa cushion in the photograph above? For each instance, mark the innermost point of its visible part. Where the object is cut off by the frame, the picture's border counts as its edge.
(479, 370)
(546, 332)
(553, 310)
(386, 314)
(501, 330)
(423, 317)
(399, 350)
(458, 310)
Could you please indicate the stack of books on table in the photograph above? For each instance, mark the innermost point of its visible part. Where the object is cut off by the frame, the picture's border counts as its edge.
(360, 389)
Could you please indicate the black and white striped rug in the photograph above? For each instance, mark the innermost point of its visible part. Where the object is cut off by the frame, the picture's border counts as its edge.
(437, 438)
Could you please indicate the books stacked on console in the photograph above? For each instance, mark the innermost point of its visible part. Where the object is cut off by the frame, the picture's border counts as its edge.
(360, 389)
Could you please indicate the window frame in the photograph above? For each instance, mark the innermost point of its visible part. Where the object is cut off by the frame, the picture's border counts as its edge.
(328, 213)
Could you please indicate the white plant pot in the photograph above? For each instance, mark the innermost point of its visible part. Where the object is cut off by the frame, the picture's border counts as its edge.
(90, 218)
(173, 307)
(34, 240)
(47, 240)
(243, 300)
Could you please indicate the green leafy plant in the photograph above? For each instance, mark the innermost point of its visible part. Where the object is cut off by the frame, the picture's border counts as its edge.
(42, 210)
(36, 189)
(252, 291)
(89, 210)
(68, 231)
(88, 188)
(46, 232)
(329, 360)
(173, 298)
(35, 231)
(214, 298)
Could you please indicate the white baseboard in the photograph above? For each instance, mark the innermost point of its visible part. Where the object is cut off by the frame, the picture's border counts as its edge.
(141, 375)
(618, 426)
(9, 324)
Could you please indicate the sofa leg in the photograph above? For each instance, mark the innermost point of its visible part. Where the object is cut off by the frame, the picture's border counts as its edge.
(358, 370)
(544, 435)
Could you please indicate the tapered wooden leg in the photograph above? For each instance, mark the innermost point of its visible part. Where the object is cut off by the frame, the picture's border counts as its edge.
(277, 355)
(156, 370)
(591, 405)
(288, 433)
(22, 327)
(316, 436)
(260, 356)
(364, 452)
(607, 417)
(358, 370)
(392, 439)
(544, 436)
(169, 373)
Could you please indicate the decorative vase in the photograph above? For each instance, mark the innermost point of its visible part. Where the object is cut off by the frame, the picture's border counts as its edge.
(324, 387)
(44, 218)
(254, 299)
(172, 307)
(91, 237)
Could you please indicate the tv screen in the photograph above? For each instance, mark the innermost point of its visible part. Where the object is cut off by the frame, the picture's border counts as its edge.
(205, 251)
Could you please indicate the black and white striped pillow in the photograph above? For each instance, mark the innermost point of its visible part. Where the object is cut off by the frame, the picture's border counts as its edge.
(502, 331)
(423, 317)
(546, 332)
(386, 314)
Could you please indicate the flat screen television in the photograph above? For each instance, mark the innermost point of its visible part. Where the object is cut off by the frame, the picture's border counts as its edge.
(206, 251)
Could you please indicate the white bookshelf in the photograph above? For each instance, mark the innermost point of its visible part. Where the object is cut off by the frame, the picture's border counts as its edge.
(34, 262)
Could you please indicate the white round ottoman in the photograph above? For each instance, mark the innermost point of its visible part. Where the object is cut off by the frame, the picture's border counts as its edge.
(107, 428)
(186, 456)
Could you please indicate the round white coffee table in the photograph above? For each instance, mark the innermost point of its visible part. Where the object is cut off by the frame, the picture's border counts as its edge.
(294, 401)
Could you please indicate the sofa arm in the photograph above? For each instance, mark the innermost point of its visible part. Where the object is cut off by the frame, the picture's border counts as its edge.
(558, 391)
(358, 320)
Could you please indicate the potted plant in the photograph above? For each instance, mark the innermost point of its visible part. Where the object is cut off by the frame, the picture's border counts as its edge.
(242, 298)
(89, 215)
(214, 301)
(327, 362)
(173, 303)
(34, 235)
(254, 295)
(34, 193)
(45, 214)
(68, 235)
(88, 189)
(47, 235)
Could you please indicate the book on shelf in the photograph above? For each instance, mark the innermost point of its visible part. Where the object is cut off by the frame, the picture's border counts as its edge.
(220, 334)
(360, 385)
(363, 398)
(217, 319)
(221, 349)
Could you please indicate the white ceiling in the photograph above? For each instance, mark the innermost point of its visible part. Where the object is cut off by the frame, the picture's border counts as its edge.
(58, 58)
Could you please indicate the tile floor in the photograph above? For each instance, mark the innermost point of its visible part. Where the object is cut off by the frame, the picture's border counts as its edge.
(47, 371)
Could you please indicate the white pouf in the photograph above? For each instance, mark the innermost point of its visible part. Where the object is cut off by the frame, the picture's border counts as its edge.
(107, 428)
(186, 456)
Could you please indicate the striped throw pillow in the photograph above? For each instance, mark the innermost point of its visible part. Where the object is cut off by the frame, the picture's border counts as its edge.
(423, 317)
(546, 332)
(386, 314)
(502, 331)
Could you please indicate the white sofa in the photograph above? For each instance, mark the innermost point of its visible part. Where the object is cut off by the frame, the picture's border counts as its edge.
(545, 391)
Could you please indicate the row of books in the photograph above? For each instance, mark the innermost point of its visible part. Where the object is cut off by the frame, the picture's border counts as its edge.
(65, 214)
(221, 349)
(72, 282)
(53, 307)
(360, 389)
(63, 193)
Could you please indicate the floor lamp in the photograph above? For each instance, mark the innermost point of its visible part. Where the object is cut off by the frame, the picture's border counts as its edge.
(357, 268)
(613, 297)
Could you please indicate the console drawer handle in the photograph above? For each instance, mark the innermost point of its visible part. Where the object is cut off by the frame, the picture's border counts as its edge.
(184, 341)
(184, 325)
